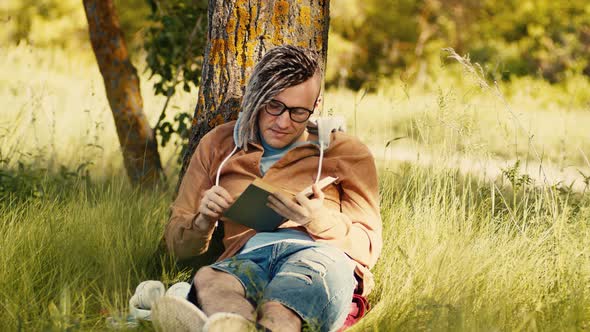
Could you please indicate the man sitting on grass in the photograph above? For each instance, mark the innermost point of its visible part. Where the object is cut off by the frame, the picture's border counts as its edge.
(305, 272)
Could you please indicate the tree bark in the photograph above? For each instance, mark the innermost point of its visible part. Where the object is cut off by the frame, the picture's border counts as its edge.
(239, 32)
(138, 143)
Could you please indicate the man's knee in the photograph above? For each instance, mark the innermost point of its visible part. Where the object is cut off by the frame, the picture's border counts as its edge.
(275, 314)
(209, 280)
(274, 307)
(203, 276)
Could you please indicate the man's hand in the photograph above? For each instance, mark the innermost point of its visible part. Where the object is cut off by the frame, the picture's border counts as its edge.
(301, 213)
(214, 202)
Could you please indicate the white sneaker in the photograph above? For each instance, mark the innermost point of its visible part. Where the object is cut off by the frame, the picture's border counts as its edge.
(228, 322)
(179, 289)
(174, 314)
(146, 293)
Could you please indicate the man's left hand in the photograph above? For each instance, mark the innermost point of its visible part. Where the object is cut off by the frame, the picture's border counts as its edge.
(303, 211)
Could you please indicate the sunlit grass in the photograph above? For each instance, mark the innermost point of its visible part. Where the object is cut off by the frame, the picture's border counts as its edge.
(458, 256)
(67, 260)
(460, 252)
(464, 118)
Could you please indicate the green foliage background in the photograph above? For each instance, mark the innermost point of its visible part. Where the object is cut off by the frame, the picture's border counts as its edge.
(542, 38)
(370, 41)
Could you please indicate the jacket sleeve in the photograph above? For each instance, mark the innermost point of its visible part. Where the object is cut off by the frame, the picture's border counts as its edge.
(356, 228)
(183, 238)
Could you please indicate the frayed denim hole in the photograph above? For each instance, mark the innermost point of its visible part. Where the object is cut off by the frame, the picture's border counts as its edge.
(312, 265)
(316, 267)
(301, 276)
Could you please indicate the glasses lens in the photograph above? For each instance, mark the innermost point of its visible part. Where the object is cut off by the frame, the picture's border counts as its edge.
(299, 114)
(275, 108)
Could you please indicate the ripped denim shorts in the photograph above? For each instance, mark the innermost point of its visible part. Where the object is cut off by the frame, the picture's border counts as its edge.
(313, 279)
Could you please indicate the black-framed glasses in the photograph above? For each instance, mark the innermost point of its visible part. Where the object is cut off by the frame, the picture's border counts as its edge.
(297, 114)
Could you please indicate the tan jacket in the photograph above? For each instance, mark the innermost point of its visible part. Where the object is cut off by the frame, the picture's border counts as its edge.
(352, 223)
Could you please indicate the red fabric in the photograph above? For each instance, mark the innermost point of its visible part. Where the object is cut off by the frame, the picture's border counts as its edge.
(358, 309)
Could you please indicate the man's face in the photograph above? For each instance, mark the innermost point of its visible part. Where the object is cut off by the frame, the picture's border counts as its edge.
(280, 131)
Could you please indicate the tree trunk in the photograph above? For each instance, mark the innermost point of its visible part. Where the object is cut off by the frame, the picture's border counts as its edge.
(138, 143)
(239, 33)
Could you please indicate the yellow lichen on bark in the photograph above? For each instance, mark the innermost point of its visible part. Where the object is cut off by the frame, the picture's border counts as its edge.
(305, 16)
(230, 29)
(244, 21)
(319, 41)
(250, 47)
(247, 31)
(317, 18)
(279, 16)
(211, 107)
(243, 15)
(281, 8)
(255, 29)
(199, 109)
(217, 55)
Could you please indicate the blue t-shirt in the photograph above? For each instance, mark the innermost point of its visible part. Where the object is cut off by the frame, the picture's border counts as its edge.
(272, 155)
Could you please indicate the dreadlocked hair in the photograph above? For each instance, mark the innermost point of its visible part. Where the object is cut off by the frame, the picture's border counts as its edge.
(280, 68)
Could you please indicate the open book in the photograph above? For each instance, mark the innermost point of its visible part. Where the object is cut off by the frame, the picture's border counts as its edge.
(250, 208)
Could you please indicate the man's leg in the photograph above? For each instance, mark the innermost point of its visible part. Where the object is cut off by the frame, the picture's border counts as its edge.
(219, 291)
(278, 318)
(315, 284)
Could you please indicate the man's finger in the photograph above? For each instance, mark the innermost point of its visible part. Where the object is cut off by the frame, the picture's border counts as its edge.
(302, 199)
(208, 206)
(283, 198)
(221, 202)
(276, 201)
(282, 210)
(215, 206)
(288, 202)
(318, 195)
(209, 213)
(317, 192)
(277, 209)
(224, 193)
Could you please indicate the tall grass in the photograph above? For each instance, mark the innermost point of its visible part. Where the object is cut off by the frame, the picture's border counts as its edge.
(465, 119)
(458, 256)
(68, 259)
(460, 252)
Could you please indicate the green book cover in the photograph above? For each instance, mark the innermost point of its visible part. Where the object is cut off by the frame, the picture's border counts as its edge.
(250, 208)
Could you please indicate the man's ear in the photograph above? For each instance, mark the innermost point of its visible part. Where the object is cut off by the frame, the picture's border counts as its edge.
(318, 102)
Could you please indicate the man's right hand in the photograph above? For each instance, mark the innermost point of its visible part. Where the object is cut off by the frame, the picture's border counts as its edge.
(214, 202)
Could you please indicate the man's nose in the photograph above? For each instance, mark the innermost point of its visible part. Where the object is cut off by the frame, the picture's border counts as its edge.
(283, 120)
